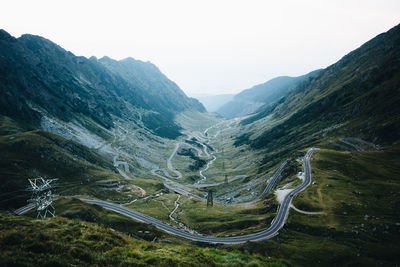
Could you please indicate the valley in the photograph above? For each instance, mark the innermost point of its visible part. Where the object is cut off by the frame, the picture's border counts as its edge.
(301, 171)
(239, 213)
(176, 183)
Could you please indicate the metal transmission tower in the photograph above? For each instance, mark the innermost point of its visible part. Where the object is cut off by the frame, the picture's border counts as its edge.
(42, 196)
(210, 201)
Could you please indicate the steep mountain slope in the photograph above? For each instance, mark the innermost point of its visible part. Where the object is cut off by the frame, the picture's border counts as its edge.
(357, 96)
(79, 169)
(74, 119)
(160, 92)
(348, 215)
(213, 102)
(249, 100)
(36, 74)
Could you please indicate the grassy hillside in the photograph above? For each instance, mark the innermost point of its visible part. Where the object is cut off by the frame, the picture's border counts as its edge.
(80, 171)
(357, 96)
(63, 242)
(358, 192)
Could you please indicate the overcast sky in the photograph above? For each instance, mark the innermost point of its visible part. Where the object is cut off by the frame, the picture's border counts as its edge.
(208, 47)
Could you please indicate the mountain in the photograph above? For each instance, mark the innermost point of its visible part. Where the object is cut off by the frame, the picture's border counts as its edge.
(59, 113)
(249, 100)
(213, 102)
(39, 76)
(349, 111)
(357, 96)
(161, 93)
(111, 130)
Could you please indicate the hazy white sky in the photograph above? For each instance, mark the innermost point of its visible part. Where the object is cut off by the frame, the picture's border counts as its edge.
(208, 46)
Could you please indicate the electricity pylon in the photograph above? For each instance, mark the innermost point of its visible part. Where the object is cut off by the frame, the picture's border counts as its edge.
(210, 201)
(42, 196)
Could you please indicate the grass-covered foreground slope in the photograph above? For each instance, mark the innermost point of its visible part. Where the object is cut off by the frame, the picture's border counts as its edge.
(64, 242)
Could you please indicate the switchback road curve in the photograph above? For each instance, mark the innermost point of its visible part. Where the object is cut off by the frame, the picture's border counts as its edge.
(276, 225)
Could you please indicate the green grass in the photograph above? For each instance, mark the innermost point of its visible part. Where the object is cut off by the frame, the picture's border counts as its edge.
(157, 207)
(231, 160)
(75, 209)
(224, 220)
(37, 153)
(80, 170)
(349, 186)
(65, 242)
(338, 236)
(357, 183)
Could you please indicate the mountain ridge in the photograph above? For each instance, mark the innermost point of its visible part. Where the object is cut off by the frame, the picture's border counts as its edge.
(38, 71)
(250, 100)
(345, 99)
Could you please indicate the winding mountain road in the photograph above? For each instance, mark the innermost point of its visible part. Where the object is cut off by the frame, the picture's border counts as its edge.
(117, 162)
(169, 163)
(276, 225)
(270, 232)
(273, 180)
(203, 177)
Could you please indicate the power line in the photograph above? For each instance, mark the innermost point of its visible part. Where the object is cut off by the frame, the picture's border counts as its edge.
(15, 197)
(12, 192)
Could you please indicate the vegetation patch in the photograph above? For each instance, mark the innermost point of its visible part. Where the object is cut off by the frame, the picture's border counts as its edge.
(198, 162)
(65, 242)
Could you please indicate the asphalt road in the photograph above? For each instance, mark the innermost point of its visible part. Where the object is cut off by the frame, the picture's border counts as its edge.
(169, 163)
(272, 181)
(276, 225)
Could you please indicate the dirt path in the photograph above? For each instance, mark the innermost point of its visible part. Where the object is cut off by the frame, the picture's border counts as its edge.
(307, 212)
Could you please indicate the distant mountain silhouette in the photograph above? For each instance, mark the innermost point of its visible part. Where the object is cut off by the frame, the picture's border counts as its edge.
(249, 100)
